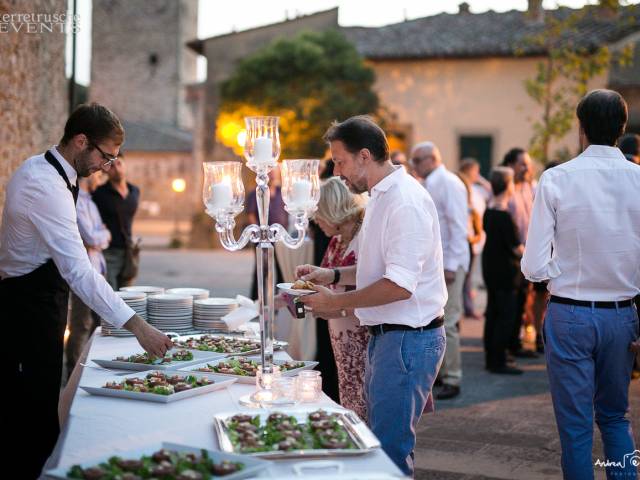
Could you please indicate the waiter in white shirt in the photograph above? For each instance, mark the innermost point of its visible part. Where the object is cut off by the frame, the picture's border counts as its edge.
(41, 255)
(400, 291)
(450, 197)
(584, 237)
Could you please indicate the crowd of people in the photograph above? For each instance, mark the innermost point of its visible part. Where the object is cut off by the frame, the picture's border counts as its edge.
(566, 249)
(396, 244)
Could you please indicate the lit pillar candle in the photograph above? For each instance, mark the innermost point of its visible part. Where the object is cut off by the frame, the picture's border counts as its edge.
(300, 192)
(222, 196)
(262, 150)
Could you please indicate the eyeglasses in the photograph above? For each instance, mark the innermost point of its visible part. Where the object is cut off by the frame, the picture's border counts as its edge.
(109, 159)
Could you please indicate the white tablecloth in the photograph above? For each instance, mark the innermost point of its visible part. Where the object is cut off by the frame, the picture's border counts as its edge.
(102, 426)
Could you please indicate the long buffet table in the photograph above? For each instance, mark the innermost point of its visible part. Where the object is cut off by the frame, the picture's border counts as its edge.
(101, 426)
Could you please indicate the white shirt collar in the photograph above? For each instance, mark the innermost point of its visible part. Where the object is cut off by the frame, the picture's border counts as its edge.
(439, 170)
(603, 151)
(66, 166)
(387, 182)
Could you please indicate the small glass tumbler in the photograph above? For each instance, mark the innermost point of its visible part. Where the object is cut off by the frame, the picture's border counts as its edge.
(308, 386)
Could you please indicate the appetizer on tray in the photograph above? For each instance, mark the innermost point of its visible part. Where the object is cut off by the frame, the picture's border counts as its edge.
(170, 462)
(160, 386)
(173, 359)
(245, 368)
(307, 432)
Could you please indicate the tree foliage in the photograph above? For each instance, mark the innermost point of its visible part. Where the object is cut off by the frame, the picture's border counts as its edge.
(563, 77)
(308, 80)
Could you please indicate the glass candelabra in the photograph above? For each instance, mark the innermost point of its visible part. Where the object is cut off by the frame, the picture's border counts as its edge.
(223, 195)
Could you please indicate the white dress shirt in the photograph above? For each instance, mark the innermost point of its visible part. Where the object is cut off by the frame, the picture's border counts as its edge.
(400, 241)
(39, 223)
(584, 233)
(93, 231)
(450, 197)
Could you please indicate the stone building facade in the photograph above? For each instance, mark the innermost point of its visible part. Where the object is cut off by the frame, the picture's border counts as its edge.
(455, 79)
(142, 70)
(139, 63)
(33, 88)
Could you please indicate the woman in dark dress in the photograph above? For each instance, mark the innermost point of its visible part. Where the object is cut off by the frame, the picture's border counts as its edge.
(500, 268)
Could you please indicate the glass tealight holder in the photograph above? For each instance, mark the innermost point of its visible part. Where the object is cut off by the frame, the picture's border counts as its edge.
(223, 190)
(262, 143)
(283, 391)
(308, 386)
(300, 185)
(265, 381)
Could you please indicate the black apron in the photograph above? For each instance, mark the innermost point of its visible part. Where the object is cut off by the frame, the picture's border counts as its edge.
(36, 307)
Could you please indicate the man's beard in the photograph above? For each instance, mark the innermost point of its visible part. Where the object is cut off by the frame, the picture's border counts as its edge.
(353, 188)
(82, 163)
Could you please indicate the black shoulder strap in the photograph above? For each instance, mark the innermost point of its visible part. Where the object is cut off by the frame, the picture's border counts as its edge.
(49, 157)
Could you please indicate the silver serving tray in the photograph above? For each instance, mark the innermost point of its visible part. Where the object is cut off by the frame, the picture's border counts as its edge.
(253, 466)
(198, 357)
(362, 437)
(308, 365)
(219, 384)
(277, 344)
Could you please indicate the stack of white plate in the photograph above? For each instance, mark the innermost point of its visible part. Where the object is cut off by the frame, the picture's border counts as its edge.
(170, 312)
(138, 302)
(207, 313)
(196, 293)
(149, 290)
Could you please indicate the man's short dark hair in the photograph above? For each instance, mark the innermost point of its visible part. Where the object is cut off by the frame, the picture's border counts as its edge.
(360, 132)
(603, 116)
(499, 178)
(511, 157)
(96, 121)
(630, 144)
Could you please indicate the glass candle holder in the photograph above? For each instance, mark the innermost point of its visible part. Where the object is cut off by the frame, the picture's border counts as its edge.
(223, 190)
(264, 381)
(300, 185)
(283, 391)
(262, 143)
(308, 386)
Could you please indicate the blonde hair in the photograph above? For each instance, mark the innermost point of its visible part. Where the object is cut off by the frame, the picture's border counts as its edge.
(337, 204)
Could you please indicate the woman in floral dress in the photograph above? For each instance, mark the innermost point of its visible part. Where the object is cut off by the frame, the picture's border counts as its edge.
(340, 215)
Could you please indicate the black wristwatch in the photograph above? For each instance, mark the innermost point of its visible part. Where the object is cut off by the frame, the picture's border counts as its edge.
(336, 276)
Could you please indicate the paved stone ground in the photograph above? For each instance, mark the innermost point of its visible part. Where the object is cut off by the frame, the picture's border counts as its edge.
(501, 427)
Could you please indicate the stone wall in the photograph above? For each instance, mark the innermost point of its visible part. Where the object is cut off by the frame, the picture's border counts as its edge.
(140, 63)
(33, 94)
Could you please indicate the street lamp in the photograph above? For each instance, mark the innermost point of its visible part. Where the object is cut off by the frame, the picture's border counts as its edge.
(178, 185)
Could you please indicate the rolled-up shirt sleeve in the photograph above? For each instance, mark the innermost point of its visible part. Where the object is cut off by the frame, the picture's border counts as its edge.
(407, 242)
(537, 262)
(55, 220)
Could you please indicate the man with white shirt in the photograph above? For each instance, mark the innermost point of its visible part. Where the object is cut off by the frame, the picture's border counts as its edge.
(584, 237)
(41, 255)
(400, 291)
(450, 197)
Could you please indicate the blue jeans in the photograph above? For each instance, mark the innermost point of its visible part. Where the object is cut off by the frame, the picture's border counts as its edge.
(400, 370)
(589, 366)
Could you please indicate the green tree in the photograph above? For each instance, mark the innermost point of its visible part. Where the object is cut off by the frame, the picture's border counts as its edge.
(563, 76)
(309, 81)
